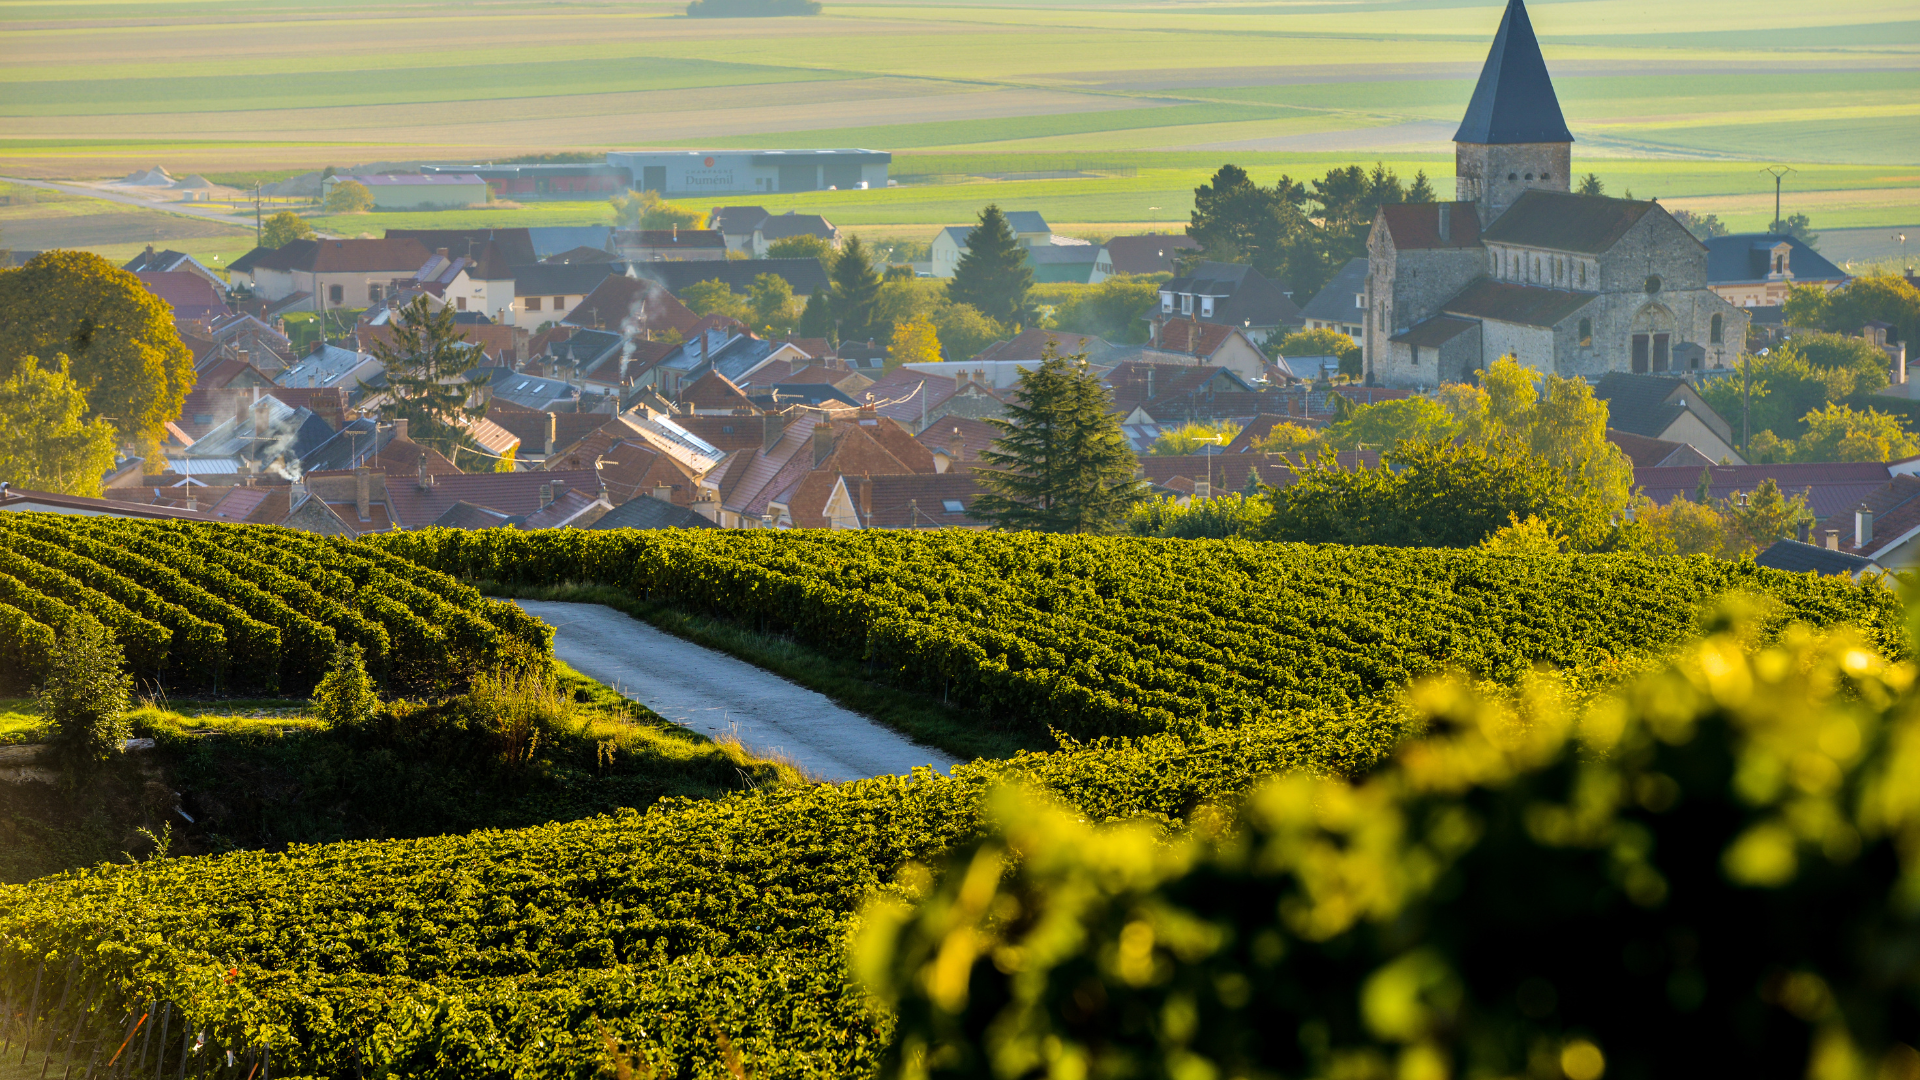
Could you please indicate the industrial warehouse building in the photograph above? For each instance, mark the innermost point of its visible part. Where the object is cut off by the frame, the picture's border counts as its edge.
(676, 173)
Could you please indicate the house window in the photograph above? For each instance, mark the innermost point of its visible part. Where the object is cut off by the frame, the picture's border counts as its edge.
(1166, 302)
(373, 294)
(559, 303)
(1360, 301)
(1586, 333)
(533, 303)
(1186, 303)
(1717, 329)
(337, 294)
(1206, 307)
(460, 303)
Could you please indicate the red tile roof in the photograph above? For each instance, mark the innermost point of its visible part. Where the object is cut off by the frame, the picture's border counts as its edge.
(1029, 344)
(714, 391)
(510, 493)
(1829, 487)
(1417, 225)
(620, 301)
(917, 500)
(365, 257)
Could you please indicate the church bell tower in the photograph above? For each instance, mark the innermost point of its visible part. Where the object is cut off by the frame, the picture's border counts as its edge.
(1513, 138)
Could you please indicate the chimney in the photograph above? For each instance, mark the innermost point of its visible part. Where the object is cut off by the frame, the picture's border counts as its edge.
(1446, 222)
(245, 356)
(443, 253)
(703, 346)
(426, 478)
(708, 506)
(956, 448)
(1900, 363)
(1863, 526)
(546, 496)
(663, 493)
(400, 428)
(1805, 531)
(773, 425)
(193, 503)
(1833, 539)
(866, 499)
(363, 492)
(262, 417)
(553, 433)
(822, 442)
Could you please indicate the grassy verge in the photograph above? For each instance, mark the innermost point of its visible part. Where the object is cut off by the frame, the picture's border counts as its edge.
(965, 733)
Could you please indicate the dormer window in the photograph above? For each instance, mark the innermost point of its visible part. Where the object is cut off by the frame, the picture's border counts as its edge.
(1166, 302)
(1186, 303)
(1206, 307)
(1360, 301)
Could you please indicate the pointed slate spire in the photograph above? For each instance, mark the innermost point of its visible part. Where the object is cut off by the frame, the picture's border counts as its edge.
(1514, 102)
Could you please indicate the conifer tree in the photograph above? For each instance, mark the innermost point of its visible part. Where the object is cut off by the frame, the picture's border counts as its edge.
(816, 321)
(429, 375)
(855, 288)
(1061, 463)
(993, 275)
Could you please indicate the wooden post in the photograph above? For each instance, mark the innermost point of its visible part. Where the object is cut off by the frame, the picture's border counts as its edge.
(26, 1040)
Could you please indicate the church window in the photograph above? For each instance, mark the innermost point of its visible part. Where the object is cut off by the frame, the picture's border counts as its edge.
(1513, 176)
(1653, 284)
(1583, 273)
(1717, 330)
(1529, 176)
(1586, 333)
(1545, 176)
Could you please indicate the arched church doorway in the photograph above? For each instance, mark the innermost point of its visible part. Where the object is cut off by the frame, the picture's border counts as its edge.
(1652, 340)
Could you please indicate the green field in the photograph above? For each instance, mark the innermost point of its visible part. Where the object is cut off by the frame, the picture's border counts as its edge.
(1687, 107)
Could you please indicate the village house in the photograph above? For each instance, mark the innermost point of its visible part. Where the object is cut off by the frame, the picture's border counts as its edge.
(1342, 305)
(1229, 294)
(1148, 253)
(1758, 269)
(1669, 409)
(315, 275)
(1030, 229)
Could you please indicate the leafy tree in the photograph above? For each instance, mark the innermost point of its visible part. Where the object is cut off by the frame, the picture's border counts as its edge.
(1887, 298)
(647, 210)
(715, 298)
(1528, 536)
(1807, 307)
(1794, 380)
(1702, 226)
(1289, 438)
(1194, 438)
(284, 228)
(816, 321)
(1431, 494)
(964, 331)
(86, 696)
(1061, 463)
(804, 246)
(46, 444)
(771, 300)
(1590, 184)
(1116, 309)
(1378, 427)
(1840, 433)
(348, 197)
(1754, 522)
(1798, 226)
(898, 272)
(855, 289)
(430, 368)
(120, 339)
(1217, 518)
(1682, 527)
(346, 698)
(1323, 343)
(905, 299)
(993, 275)
(914, 341)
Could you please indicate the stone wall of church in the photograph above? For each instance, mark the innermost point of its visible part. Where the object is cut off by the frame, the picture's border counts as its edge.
(1533, 346)
(1494, 176)
(1632, 301)
(1405, 287)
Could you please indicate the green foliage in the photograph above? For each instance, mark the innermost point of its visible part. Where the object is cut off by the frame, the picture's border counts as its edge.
(913, 341)
(1754, 520)
(1807, 306)
(993, 275)
(345, 697)
(1377, 427)
(1236, 220)
(1322, 343)
(1794, 383)
(1432, 494)
(1194, 437)
(803, 246)
(1887, 298)
(284, 228)
(1061, 463)
(964, 331)
(1703, 226)
(750, 9)
(347, 197)
(85, 698)
(816, 320)
(1114, 310)
(45, 442)
(1591, 184)
(1798, 226)
(119, 337)
(906, 299)
(1534, 889)
(715, 297)
(430, 379)
(1221, 517)
(855, 289)
(647, 210)
(1840, 433)
(771, 302)
(26, 644)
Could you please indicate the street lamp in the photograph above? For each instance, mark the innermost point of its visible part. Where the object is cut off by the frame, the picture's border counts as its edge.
(1901, 239)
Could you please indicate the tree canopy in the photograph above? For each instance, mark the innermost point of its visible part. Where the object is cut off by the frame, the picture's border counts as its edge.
(771, 298)
(1061, 463)
(914, 342)
(46, 441)
(1272, 229)
(715, 297)
(430, 368)
(647, 210)
(284, 228)
(1114, 310)
(993, 274)
(803, 246)
(348, 197)
(855, 289)
(119, 338)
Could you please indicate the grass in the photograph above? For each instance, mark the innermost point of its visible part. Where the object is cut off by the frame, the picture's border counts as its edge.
(964, 733)
(20, 720)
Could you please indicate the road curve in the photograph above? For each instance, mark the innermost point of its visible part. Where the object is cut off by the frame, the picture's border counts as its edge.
(718, 696)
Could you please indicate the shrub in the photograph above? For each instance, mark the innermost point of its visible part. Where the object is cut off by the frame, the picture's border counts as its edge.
(85, 697)
(345, 698)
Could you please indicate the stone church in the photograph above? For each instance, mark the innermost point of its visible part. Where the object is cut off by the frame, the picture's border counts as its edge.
(1518, 265)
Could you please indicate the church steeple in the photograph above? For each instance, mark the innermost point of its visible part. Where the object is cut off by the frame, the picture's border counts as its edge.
(1513, 138)
(1514, 102)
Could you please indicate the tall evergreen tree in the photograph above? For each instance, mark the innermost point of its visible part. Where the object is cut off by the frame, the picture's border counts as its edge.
(816, 321)
(1421, 191)
(993, 275)
(1061, 463)
(855, 287)
(429, 375)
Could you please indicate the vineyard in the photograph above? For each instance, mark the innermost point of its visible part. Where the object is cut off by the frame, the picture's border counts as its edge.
(241, 608)
(1101, 636)
(705, 938)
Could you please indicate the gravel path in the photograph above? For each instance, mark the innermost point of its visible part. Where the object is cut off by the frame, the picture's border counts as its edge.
(716, 695)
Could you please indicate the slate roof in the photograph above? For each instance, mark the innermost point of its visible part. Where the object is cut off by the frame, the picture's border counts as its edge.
(187, 293)
(675, 239)
(1830, 487)
(1794, 556)
(738, 220)
(516, 245)
(1022, 222)
(1560, 221)
(1028, 345)
(550, 240)
(529, 391)
(619, 298)
(647, 512)
(1649, 404)
(582, 254)
(805, 275)
(1747, 257)
(559, 279)
(1526, 305)
(1147, 253)
(466, 515)
(1335, 302)
(1647, 452)
(1249, 297)
(1514, 100)
(781, 226)
(1417, 225)
(919, 500)
(1434, 332)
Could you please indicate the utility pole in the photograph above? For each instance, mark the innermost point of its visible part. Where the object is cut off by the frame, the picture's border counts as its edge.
(1778, 172)
(256, 213)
